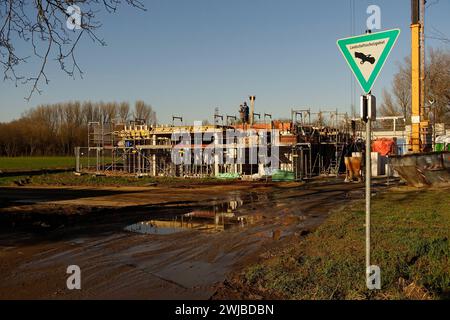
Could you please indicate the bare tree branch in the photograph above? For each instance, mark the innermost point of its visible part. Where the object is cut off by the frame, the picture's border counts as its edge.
(42, 24)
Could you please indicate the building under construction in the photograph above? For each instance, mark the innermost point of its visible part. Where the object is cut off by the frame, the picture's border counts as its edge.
(309, 144)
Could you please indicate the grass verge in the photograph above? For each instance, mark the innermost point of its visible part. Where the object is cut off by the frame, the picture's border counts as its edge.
(69, 179)
(410, 243)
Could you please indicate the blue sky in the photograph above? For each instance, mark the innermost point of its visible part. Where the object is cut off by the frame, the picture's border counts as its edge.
(188, 57)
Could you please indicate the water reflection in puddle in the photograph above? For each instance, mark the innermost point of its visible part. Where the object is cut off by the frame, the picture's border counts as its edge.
(221, 217)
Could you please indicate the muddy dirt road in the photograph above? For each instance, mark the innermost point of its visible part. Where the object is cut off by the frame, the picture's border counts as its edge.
(154, 242)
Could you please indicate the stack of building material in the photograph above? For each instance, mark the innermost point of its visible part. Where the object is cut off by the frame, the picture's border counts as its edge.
(283, 176)
(442, 143)
(228, 176)
(384, 146)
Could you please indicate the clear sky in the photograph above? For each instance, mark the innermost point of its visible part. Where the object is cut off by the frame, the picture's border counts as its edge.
(188, 57)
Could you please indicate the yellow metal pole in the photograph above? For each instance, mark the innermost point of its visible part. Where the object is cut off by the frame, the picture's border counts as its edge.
(415, 87)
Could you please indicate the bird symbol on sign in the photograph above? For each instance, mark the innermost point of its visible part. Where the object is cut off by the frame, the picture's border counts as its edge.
(364, 58)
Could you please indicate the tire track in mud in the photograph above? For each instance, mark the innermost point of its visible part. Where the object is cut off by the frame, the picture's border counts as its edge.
(185, 265)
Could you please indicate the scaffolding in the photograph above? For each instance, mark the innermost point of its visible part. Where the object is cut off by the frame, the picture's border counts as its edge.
(322, 141)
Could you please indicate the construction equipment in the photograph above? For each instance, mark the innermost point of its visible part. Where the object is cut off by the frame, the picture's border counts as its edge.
(419, 125)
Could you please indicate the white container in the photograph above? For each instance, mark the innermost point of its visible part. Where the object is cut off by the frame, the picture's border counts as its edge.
(375, 164)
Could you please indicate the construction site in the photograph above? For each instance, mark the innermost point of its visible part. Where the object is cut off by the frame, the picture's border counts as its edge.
(305, 149)
(314, 141)
(312, 144)
(240, 205)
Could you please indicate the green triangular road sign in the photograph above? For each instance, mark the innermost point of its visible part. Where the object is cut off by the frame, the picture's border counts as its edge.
(367, 54)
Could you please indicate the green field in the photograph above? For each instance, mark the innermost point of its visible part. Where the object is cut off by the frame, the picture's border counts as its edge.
(410, 243)
(36, 163)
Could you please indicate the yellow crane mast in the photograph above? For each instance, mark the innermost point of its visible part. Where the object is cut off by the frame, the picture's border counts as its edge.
(418, 122)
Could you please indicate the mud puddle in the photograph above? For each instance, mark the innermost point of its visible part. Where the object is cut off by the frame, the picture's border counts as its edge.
(218, 218)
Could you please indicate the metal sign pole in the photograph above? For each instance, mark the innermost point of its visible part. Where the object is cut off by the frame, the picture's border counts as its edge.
(368, 107)
(368, 192)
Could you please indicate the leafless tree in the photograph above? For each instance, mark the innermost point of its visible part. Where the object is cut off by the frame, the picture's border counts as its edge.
(144, 112)
(124, 112)
(41, 26)
(437, 86)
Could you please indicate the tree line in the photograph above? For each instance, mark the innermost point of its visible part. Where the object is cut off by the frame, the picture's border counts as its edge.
(56, 129)
(397, 101)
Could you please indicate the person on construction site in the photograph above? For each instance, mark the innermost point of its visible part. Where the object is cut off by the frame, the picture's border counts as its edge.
(242, 113)
(246, 112)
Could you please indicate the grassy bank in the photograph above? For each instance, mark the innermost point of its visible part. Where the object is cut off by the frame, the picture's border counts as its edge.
(18, 165)
(410, 243)
(70, 179)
